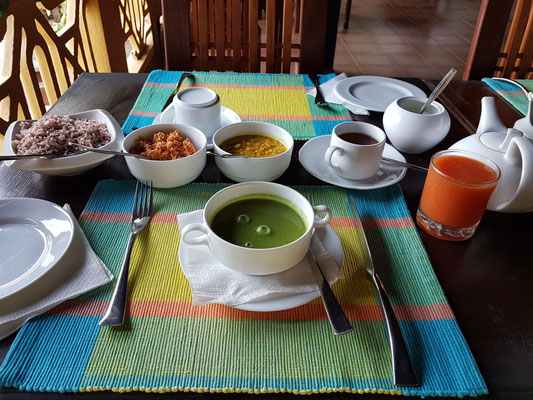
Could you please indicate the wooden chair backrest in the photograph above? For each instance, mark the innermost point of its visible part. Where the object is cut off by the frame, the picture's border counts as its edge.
(518, 51)
(502, 45)
(225, 35)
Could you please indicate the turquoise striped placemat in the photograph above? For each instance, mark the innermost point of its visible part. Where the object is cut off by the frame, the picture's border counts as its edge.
(276, 98)
(169, 345)
(512, 93)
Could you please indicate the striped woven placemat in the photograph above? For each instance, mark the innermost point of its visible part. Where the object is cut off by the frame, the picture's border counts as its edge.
(276, 98)
(167, 344)
(512, 93)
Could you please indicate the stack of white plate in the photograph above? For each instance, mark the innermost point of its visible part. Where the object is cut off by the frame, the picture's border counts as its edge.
(34, 236)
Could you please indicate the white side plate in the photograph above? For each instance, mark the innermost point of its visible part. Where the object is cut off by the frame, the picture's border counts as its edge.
(375, 93)
(34, 235)
(227, 116)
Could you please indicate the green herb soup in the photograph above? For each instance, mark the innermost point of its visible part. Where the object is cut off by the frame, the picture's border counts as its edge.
(259, 222)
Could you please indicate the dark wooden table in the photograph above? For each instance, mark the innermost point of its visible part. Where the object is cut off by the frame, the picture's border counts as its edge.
(487, 279)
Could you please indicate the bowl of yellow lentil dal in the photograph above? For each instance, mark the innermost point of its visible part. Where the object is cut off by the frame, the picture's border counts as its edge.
(267, 146)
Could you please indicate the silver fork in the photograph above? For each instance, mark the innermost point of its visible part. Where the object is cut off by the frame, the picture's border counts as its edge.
(319, 98)
(140, 215)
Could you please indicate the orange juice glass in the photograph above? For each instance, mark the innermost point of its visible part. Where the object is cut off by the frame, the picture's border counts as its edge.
(456, 192)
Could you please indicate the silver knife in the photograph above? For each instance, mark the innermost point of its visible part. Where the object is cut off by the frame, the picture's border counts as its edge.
(402, 367)
(176, 90)
(338, 320)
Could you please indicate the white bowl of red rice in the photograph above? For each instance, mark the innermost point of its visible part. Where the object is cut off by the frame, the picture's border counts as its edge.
(51, 134)
(175, 154)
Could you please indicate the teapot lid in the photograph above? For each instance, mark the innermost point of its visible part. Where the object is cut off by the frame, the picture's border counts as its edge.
(499, 141)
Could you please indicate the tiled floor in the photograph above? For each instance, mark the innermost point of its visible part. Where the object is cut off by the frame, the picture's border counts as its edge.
(406, 38)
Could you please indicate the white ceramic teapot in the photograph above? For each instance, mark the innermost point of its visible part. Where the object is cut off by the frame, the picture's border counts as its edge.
(512, 150)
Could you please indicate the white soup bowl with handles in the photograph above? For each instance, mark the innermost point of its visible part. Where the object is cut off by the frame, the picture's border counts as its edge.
(254, 261)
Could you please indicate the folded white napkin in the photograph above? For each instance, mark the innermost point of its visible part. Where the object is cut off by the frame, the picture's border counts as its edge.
(328, 91)
(79, 271)
(212, 282)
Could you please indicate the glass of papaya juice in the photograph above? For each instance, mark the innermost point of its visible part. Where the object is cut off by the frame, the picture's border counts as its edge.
(456, 192)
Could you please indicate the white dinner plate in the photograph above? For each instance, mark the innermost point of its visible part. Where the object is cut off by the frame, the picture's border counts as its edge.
(375, 93)
(227, 116)
(332, 244)
(34, 235)
(311, 157)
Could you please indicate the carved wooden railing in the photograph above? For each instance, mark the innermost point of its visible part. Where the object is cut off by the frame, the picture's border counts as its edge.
(37, 64)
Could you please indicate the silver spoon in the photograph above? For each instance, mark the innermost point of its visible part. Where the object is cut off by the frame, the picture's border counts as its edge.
(438, 89)
(212, 153)
(404, 164)
(115, 153)
(30, 156)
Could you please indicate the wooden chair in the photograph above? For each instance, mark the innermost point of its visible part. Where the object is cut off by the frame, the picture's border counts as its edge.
(347, 11)
(502, 45)
(229, 35)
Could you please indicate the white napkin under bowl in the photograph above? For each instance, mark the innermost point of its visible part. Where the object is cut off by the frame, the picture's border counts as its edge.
(212, 282)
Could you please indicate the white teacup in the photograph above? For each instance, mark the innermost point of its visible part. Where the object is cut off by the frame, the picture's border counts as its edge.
(250, 260)
(351, 160)
(198, 107)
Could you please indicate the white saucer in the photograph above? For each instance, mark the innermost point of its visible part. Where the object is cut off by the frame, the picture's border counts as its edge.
(311, 157)
(34, 236)
(227, 116)
(332, 244)
(375, 93)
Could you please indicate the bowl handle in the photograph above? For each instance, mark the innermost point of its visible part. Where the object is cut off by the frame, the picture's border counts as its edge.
(329, 153)
(198, 227)
(325, 220)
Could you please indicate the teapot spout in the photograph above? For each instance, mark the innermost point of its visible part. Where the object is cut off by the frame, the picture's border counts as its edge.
(489, 121)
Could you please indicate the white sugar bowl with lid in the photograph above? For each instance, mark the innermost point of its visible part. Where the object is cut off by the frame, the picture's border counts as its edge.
(412, 132)
(198, 107)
